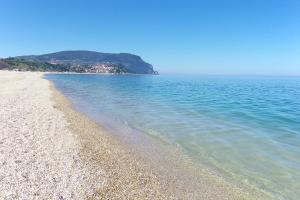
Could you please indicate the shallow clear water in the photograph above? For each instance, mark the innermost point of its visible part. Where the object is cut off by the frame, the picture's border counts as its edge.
(248, 128)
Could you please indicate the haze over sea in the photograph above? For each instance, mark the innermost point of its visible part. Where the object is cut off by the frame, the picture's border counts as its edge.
(245, 127)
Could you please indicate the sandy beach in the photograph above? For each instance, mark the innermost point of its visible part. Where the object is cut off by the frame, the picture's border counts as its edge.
(50, 151)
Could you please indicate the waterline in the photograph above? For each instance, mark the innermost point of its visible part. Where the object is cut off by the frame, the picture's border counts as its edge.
(246, 127)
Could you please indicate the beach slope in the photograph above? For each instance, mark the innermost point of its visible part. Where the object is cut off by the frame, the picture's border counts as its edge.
(50, 151)
(49, 154)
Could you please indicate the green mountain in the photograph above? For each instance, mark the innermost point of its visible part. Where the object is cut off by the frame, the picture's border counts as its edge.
(83, 61)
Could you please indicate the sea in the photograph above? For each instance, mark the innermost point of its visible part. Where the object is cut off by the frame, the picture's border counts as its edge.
(245, 127)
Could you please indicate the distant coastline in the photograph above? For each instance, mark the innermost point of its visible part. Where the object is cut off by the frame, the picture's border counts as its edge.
(79, 62)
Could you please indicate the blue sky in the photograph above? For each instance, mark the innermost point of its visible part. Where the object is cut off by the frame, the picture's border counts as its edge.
(205, 37)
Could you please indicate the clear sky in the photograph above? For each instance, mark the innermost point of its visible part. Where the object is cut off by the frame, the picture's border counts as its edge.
(205, 37)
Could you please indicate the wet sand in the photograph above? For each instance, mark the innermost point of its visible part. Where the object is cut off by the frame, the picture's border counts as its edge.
(50, 151)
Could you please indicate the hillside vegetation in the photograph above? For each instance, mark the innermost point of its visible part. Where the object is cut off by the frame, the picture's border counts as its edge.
(122, 62)
(26, 65)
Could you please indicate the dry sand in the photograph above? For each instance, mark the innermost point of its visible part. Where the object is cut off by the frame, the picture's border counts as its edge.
(40, 157)
(50, 151)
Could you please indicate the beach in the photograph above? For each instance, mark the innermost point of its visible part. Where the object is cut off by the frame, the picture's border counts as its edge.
(50, 151)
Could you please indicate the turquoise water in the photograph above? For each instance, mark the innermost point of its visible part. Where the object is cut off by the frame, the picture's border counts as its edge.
(248, 128)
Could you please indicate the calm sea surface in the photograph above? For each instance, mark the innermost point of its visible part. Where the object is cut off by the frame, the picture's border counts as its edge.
(248, 128)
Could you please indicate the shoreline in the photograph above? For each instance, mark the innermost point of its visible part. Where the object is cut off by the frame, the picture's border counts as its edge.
(173, 164)
(126, 172)
(102, 149)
